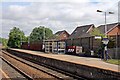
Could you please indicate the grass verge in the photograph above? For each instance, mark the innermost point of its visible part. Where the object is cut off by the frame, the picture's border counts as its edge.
(114, 61)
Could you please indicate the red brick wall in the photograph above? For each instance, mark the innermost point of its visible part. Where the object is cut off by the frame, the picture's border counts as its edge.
(64, 35)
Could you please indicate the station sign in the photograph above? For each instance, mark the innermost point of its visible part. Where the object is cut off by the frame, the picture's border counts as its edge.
(74, 49)
(71, 49)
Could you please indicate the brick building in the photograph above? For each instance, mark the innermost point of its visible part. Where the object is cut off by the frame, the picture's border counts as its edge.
(112, 29)
(113, 33)
(56, 44)
(82, 37)
(62, 35)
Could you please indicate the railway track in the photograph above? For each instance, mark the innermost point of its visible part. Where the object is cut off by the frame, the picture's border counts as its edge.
(12, 71)
(44, 70)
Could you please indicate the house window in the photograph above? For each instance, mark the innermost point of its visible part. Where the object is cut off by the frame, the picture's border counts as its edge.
(83, 30)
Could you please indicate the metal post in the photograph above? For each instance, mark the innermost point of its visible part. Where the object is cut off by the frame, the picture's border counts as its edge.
(43, 44)
(105, 26)
(116, 45)
(105, 47)
(105, 58)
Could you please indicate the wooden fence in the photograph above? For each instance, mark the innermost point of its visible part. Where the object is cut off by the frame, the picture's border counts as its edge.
(87, 43)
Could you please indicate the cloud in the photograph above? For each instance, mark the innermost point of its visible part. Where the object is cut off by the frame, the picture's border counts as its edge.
(55, 15)
(58, 0)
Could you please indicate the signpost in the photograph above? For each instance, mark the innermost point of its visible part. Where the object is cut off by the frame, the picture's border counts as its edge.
(105, 42)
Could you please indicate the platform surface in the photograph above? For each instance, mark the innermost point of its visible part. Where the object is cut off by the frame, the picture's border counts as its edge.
(92, 62)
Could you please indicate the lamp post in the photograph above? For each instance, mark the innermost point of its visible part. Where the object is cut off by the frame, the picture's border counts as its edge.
(105, 13)
(105, 40)
(43, 47)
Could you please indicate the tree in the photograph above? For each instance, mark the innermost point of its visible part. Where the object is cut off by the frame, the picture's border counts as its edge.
(38, 33)
(3, 41)
(96, 32)
(16, 36)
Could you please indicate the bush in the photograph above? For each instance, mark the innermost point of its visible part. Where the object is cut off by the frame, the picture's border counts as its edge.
(111, 44)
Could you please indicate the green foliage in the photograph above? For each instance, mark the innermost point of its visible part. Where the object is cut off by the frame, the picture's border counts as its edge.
(96, 32)
(0, 40)
(25, 39)
(16, 36)
(4, 42)
(111, 44)
(38, 33)
(113, 61)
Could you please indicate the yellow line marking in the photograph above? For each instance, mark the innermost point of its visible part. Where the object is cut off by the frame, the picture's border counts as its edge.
(4, 73)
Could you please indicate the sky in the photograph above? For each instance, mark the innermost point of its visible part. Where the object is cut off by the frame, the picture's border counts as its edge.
(56, 14)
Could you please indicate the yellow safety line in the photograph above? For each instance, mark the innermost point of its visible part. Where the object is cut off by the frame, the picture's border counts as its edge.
(4, 74)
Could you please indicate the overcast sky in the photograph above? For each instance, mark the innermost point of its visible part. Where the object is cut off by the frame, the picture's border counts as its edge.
(56, 15)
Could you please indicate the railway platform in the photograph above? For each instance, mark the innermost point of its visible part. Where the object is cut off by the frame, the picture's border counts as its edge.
(82, 66)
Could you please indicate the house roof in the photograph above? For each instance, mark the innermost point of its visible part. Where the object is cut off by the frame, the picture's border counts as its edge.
(81, 31)
(60, 32)
(109, 27)
(56, 35)
(86, 35)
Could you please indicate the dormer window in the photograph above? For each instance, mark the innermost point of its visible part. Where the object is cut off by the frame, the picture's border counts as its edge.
(75, 32)
(83, 30)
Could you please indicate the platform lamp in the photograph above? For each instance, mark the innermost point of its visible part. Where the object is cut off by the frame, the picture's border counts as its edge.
(43, 46)
(105, 40)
